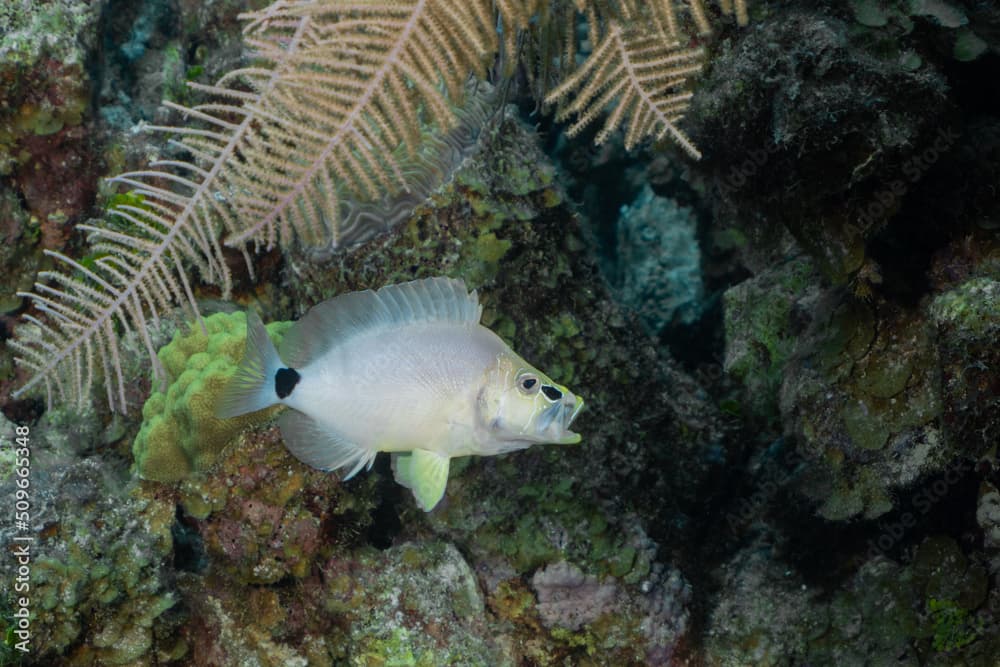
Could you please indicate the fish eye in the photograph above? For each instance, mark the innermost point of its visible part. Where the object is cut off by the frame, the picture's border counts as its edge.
(528, 384)
(551, 392)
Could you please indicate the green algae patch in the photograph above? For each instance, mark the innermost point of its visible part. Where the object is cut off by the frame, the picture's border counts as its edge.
(416, 605)
(760, 336)
(865, 432)
(100, 572)
(180, 433)
(953, 626)
(973, 307)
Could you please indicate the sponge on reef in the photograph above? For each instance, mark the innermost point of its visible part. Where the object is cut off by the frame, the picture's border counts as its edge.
(180, 434)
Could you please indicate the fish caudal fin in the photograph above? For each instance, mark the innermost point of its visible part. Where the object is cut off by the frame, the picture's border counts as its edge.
(424, 473)
(252, 387)
(320, 447)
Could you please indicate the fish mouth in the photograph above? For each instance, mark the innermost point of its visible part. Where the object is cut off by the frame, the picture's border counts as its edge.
(553, 424)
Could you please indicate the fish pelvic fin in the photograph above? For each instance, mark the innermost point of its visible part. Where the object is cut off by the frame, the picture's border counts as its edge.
(252, 386)
(321, 447)
(423, 472)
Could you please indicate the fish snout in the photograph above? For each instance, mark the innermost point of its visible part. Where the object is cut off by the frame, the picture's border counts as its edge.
(569, 407)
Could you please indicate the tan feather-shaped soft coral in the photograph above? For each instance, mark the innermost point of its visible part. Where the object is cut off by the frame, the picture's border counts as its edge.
(643, 74)
(338, 86)
(332, 109)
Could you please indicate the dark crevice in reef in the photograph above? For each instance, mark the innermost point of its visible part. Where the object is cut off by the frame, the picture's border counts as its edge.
(24, 411)
(825, 552)
(970, 84)
(386, 524)
(949, 193)
(189, 547)
(904, 255)
(600, 181)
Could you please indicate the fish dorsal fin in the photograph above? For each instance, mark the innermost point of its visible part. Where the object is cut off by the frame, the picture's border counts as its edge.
(320, 447)
(335, 320)
(423, 472)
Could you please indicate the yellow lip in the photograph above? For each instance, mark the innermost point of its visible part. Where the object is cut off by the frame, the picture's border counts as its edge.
(572, 438)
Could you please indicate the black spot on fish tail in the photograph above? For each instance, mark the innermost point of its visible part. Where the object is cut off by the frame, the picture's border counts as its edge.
(285, 380)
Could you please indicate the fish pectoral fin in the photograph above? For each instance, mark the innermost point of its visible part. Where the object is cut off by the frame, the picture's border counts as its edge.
(318, 446)
(423, 472)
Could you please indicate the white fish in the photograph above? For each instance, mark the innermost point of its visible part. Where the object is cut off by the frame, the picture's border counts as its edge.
(407, 369)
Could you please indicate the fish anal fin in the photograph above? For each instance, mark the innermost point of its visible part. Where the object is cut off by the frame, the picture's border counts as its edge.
(423, 472)
(318, 446)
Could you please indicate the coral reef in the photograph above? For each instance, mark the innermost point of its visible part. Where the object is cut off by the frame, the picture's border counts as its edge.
(967, 322)
(658, 263)
(966, 29)
(763, 320)
(153, 48)
(916, 613)
(570, 599)
(877, 395)
(100, 575)
(262, 516)
(862, 398)
(858, 367)
(45, 148)
(821, 491)
(416, 604)
(875, 374)
(853, 165)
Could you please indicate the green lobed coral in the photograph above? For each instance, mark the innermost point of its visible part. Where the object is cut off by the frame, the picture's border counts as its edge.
(862, 395)
(891, 23)
(180, 433)
(858, 385)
